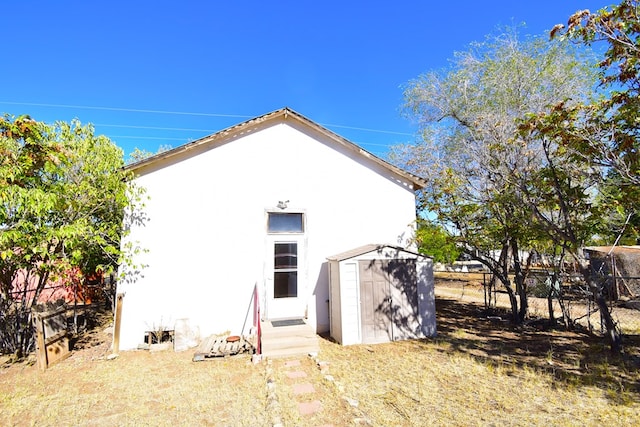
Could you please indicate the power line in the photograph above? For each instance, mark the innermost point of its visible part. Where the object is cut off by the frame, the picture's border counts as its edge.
(361, 144)
(184, 113)
(148, 137)
(154, 128)
(212, 131)
(367, 130)
(185, 140)
(130, 110)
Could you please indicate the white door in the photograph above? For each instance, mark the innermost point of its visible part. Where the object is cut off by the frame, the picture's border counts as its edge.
(285, 277)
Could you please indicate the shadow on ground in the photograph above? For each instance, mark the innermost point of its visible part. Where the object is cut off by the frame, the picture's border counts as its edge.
(573, 357)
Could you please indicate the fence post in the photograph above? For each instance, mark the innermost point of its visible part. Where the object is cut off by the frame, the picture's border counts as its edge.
(52, 343)
(116, 323)
(256, 319)
(41, 349)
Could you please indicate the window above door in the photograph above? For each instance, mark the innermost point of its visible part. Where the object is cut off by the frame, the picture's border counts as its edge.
(285, 222)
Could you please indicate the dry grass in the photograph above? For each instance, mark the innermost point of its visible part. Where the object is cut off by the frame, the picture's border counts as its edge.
(138, 388)
(335, 410)
(485, 372)
(477, 372)
(429, 383)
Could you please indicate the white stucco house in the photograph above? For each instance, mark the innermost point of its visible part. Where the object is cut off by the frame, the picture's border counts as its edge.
(260, 205)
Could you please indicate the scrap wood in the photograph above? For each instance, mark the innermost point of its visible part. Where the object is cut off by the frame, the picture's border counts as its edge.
(222, 346)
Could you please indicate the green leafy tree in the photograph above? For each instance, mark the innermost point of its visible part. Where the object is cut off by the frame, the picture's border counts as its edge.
(63, 192)
(621, 201)
(601, 135)
(604, 133)
(434, 241)
(471, 156)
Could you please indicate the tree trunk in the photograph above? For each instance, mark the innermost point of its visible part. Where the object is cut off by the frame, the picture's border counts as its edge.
(521, 288)
(502, 272)
(558, 291)
(611, 332)
(513, 300)
(550, 294)
(514, 303)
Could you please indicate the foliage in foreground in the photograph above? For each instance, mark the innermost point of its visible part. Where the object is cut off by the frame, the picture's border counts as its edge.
(521, 159)
(63, 194)
(600, 135)
(476, 167)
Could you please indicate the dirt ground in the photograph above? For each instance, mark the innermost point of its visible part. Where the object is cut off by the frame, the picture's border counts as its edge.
(489, 335)
(628, 319)
(478, 356)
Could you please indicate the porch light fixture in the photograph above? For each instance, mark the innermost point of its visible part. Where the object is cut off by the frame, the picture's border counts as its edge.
(282, 205)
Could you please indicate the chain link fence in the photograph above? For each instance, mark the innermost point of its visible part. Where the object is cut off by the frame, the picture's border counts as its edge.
(567, 301)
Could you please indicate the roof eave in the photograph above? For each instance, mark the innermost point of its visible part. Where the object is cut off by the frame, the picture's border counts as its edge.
(416, 182)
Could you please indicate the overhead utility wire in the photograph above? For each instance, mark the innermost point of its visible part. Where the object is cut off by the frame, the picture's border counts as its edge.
(367, 130)
(134, 110)
(153, 127)
(149, 137)
(131, 110)
(361, 144)
(211, 130)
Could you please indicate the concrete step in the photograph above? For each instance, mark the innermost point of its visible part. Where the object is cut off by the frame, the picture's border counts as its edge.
(304, 345)
(287, 331)
(288, 340)
(289, 352)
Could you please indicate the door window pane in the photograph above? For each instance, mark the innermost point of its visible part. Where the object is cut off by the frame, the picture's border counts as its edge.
(285, 270)
(285, 284)
(285, 255)
(285, 222)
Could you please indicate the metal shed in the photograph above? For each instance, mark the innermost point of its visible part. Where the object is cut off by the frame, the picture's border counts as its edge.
(380, 293)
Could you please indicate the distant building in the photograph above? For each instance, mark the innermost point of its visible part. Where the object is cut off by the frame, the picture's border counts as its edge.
(619, 265)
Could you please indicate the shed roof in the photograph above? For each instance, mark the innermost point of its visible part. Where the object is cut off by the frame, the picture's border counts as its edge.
(614, 249)
(371, 248)
(281, 114)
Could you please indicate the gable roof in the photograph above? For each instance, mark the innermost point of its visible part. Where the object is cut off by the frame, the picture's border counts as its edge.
(372, 248)
(281, 114)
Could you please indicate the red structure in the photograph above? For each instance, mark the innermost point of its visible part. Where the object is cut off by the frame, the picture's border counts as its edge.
(72, 286)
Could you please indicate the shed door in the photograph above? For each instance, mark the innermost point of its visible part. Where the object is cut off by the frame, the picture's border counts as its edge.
(375, 302)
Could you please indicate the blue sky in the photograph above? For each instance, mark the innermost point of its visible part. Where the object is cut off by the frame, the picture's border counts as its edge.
(167, 72)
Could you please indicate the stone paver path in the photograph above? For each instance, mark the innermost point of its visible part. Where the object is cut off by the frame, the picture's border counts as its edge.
(303, 388)
(302, 393)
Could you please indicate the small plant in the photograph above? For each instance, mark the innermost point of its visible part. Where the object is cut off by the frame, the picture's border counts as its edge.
(549, 355)
(159, 333)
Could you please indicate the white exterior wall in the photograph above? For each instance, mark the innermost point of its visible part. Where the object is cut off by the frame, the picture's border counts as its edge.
(206, 233)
